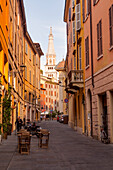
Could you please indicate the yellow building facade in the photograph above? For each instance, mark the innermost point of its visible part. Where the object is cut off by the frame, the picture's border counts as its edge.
(4, 10)
(16, 63)
(32, 79)
(75, 65)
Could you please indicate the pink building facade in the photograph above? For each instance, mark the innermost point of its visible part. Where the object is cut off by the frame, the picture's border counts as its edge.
(98, 40)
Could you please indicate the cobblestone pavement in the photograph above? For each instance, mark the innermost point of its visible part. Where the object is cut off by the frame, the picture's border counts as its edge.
(68, 150)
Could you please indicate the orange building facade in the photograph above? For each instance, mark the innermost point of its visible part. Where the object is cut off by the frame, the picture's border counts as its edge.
(98, 40)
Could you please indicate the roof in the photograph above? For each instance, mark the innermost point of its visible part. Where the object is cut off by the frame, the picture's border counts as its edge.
(60, 66)
(38, 48)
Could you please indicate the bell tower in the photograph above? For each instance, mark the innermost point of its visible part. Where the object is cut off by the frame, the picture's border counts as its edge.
(51, 58)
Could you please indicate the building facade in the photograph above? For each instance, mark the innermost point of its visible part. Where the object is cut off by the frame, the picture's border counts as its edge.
(4, 27)
(75, 64)
(98, 40)
(19, 68)
(62, 93)
(51, 93)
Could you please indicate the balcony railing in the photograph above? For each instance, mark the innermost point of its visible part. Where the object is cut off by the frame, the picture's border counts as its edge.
(75, 78)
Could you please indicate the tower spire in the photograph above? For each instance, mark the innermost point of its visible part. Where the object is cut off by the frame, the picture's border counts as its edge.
(51, 50)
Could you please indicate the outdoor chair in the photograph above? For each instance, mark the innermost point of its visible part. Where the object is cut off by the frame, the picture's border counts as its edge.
(43, 138)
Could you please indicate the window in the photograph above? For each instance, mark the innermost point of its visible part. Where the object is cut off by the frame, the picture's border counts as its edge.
(78, 17)
(34, 59)
(80, 58)
(73, 32)
(75, 61)
(88, 7)
(99, 38)
(67, 29)
(83, 10)
(30, 54)
(46, 85)
(26, 48)
(95, 2)
(46, 99)
(111, 25)
(73, 3)
(51, 93)
(29, 97)
(26, 73)
(30, 76)
(87, 50)
(69, 14)
(55, 93)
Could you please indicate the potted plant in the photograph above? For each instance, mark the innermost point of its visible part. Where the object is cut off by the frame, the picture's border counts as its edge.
(0, 135)
(6, 105)
(9, 127)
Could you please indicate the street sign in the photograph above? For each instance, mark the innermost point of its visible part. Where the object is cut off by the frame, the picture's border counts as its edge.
(65, 100)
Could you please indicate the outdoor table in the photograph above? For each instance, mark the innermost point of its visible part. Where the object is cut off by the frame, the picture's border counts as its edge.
(24, 142)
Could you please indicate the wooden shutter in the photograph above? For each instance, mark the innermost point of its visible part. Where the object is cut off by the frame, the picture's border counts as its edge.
(69, 14)
(83, 10)
(26, 73)
(73, 31)
(98, 39)
(100, 25)
(87, 50)
(78, 17)
(94, 2)
(88, 6)
(80, 58)
(111, 25)
(73, 3)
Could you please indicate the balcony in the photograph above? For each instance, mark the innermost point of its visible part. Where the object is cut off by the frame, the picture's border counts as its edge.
(76, 79)
(68, 89)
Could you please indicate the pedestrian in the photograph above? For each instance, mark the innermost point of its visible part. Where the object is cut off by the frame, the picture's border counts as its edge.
(41, 118)
(20, 123)
(17, 124)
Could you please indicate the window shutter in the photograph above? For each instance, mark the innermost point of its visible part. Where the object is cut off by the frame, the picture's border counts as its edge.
(73, 31)
(100, 23)
(98, 38)
(80, 58)
(111, 25)
(94, 2)
(30, 76)
(88, 6)
(30, 54)
(69, 14)
(87, 50)
(83, 10)
(67, 28)
(78, 17)
(26, 73)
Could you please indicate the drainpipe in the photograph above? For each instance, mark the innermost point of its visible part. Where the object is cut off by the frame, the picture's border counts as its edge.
(91, 39)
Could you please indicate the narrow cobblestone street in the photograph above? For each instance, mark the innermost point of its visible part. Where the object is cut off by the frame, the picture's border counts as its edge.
(67, 150)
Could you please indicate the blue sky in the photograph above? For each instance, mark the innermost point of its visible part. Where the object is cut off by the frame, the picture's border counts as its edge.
(40, 16)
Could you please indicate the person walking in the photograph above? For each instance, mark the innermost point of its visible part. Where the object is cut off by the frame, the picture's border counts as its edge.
(17, 124)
